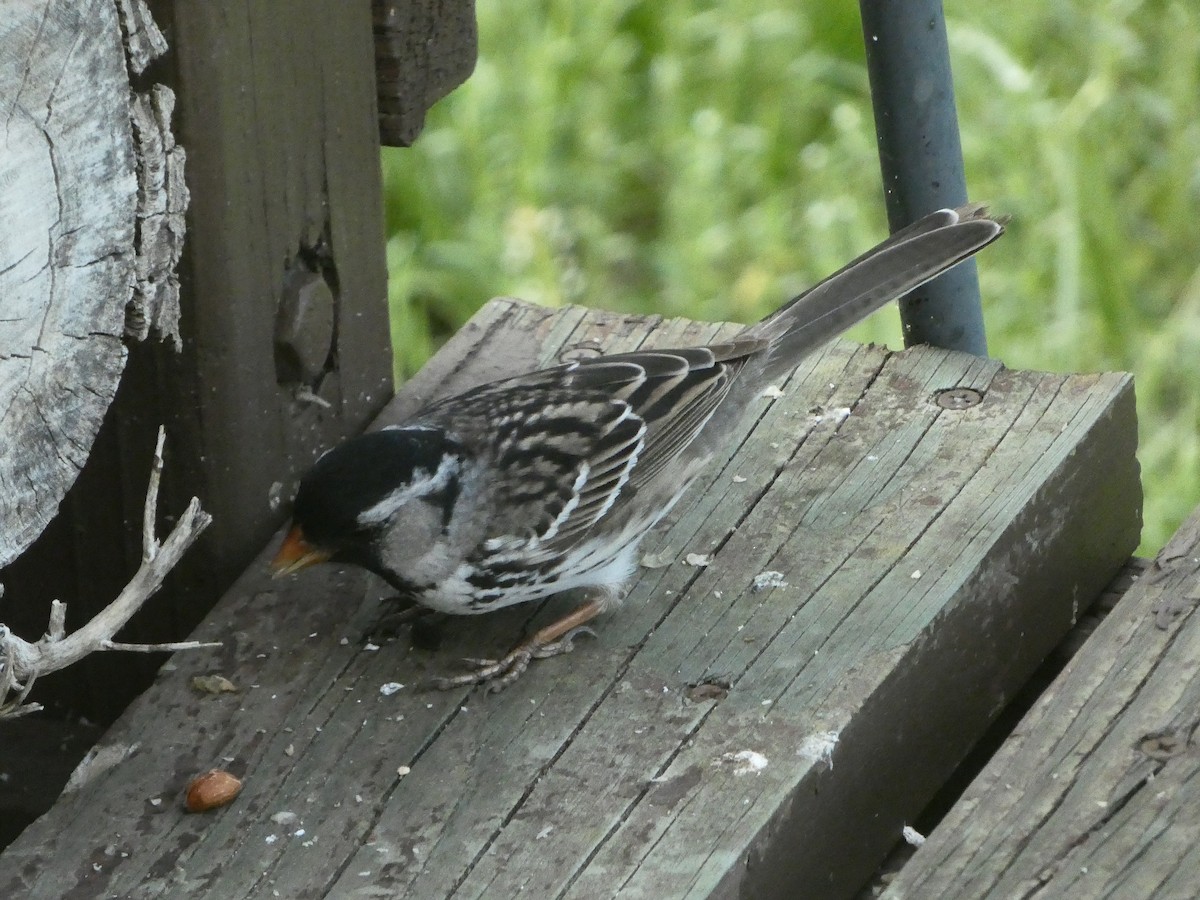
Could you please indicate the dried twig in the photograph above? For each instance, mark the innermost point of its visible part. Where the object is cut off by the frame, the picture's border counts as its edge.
(21, 662)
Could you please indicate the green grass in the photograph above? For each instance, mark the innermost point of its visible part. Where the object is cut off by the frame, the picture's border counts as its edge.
(690, 159)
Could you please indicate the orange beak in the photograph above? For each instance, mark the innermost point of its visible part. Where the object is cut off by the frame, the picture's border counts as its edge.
(295, 554)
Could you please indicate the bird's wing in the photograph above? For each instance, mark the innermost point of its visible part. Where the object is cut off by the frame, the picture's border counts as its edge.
(569, 444)
(676, 395)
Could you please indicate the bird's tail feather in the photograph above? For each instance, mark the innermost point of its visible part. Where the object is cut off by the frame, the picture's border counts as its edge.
(906, 260)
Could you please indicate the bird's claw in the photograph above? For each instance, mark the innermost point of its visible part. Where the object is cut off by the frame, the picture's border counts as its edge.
(497, 674)
(564, 644)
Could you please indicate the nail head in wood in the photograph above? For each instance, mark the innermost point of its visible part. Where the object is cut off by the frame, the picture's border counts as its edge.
(958, 398)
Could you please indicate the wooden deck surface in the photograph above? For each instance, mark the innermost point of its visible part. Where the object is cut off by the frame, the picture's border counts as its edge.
(1097, 792)
(713, 740)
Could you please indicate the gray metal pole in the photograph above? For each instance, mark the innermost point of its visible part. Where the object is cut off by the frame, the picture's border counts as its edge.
(912, 91)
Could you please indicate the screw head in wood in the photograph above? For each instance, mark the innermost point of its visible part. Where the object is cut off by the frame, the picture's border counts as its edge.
(958, 398)
(588, 349)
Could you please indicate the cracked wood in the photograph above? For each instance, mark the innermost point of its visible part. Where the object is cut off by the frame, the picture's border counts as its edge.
(929, 559)
(76, 240)
(1097, 792)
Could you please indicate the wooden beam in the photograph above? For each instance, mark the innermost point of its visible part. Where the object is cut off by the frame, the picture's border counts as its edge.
(716, 739)
(1097, 792)
(277, 110)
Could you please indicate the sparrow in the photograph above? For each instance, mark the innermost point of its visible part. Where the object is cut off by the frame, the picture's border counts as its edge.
(547, 482)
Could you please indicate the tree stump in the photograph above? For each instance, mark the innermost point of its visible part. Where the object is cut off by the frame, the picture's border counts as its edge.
(93, 199)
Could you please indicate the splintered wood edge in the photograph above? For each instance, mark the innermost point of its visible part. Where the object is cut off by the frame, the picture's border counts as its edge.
(1077, 802)
(599, 758)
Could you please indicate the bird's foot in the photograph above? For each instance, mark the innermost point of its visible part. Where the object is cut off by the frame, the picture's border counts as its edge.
(498, 674)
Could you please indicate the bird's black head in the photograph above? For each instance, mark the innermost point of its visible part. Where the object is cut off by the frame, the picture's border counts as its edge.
(351, 493)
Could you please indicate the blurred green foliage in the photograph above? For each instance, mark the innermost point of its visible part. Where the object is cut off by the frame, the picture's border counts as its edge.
(710, 159)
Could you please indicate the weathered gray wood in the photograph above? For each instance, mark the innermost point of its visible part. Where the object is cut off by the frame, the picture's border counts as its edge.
(84, 238)
(1097, 792)
(931, 558)
(276, 106)
(424, 49)
(287, 194)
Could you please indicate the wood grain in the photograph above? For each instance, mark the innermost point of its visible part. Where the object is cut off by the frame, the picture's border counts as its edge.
(276, 106)
(930, 558)
(1097, 792)
(68, 193)
(424, 49)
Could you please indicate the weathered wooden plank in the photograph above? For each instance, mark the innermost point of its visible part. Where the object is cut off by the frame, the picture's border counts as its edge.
(930, 556)
(1096, 794)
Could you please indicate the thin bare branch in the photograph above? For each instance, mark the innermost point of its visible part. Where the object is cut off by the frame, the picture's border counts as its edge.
(21, 662)
(150, 511)
(58, 621)
(159, 648)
